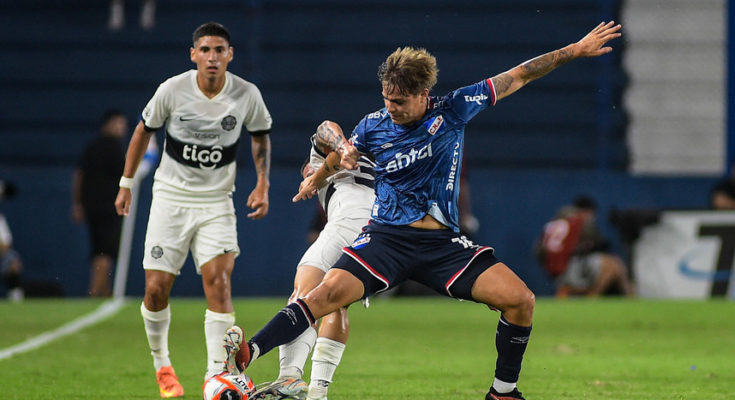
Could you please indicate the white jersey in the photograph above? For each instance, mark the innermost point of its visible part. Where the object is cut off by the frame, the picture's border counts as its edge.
(343, 180)
(202, 135)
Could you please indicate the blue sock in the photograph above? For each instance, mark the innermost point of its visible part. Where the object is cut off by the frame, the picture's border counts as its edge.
(510, 341)
(285, 326)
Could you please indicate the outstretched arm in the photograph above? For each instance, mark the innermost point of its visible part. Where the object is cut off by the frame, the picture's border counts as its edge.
(592, 45)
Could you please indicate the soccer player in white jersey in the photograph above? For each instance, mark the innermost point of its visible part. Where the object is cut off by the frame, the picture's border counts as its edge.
(203, 112)
(347, 199)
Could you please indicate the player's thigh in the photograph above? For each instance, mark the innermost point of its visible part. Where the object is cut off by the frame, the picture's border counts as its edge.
(339, 288)
(500, 288)
(168, 235)
(216, 235)
(327, 248)
(307, 278)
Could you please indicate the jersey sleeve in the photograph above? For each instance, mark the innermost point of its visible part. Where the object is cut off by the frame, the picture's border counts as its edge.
(468, 101)
(358, 137)
(158, 109)
(257, 119)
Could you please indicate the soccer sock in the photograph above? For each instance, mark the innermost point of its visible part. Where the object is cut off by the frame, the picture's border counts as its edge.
(510, 341)
(156, 328)
(324, 361)
(215, 325)
(285, 326)
(293, 355)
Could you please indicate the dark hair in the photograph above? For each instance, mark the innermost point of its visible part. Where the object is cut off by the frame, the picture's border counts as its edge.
(585, 202)
(110, 114)
(210, 29)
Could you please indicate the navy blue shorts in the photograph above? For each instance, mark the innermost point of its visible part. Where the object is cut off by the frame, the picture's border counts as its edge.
(384, 256)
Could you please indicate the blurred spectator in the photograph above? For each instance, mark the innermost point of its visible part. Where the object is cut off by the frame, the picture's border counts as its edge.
(116, 18)
(11, 267)
(94, 189)
(573, 251)
(722, 196)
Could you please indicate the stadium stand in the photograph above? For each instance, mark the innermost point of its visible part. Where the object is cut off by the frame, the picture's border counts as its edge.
(315, 60)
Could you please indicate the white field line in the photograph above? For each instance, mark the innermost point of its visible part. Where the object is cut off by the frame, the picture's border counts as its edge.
(105, 310)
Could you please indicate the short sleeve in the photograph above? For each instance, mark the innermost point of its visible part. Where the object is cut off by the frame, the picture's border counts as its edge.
(158, 109)
(358, 137)
(257, 120)
(468, 101)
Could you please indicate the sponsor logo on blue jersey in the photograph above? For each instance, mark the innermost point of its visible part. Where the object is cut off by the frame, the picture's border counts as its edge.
(404, 160)
(453, 169)
(433, 125)
(361, 241)
(476, 99)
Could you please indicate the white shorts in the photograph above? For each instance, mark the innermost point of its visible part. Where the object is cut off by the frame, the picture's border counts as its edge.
(347, 212)
(582, 271)
(173, 230)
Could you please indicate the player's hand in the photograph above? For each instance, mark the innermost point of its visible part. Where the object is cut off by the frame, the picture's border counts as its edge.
(122, 202)
(592, 44)
(307, 189)
(348, 156)
(258, 201)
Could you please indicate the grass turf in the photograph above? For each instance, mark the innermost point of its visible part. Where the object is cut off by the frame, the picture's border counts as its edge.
(418, 348)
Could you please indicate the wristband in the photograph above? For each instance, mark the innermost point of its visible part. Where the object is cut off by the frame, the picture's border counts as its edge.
(126, 182)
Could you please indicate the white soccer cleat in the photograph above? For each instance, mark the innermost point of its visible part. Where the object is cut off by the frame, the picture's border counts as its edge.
(285, 388)
(232, 341)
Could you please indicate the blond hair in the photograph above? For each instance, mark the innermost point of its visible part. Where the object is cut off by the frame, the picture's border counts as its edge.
(408, 71)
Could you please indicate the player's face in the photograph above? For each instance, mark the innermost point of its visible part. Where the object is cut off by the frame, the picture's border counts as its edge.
(405, 109)
(211, 55)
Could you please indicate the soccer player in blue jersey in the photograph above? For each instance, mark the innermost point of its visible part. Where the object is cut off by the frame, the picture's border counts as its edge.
(416, 141)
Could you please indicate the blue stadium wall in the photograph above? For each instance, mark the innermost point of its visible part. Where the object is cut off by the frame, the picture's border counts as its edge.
(533, 152)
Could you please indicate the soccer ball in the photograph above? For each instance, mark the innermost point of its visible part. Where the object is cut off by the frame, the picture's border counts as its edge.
(224, 386)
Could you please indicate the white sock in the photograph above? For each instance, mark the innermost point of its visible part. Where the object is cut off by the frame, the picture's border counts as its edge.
(324, 361)
(293, 355)
(503, 387)
(215, 325)
(156, 329)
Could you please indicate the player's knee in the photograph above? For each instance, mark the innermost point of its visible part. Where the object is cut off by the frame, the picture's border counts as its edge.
(524, 304)
(324, 297)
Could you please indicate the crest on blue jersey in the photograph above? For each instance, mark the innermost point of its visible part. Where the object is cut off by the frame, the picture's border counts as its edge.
(434, 125)
(361, 241)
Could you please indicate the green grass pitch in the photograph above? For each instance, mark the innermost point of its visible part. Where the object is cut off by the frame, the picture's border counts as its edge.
(410, 348)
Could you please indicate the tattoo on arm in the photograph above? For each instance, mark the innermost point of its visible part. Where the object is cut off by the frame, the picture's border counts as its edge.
(502, 82)
(262, 157)
(328, 138)
(543, 64)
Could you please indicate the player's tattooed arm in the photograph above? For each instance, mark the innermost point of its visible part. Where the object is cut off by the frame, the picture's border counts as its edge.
(258, 199)
(261, 148)
(592, 45)
(329, 137)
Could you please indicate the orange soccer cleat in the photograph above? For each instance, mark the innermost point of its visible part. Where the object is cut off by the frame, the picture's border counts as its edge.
(168, 383)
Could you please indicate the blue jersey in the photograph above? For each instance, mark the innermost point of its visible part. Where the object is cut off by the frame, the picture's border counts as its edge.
(418, 166)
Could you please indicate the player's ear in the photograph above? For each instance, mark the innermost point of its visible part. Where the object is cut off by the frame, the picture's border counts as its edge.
(192, 50)
(232, 54)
